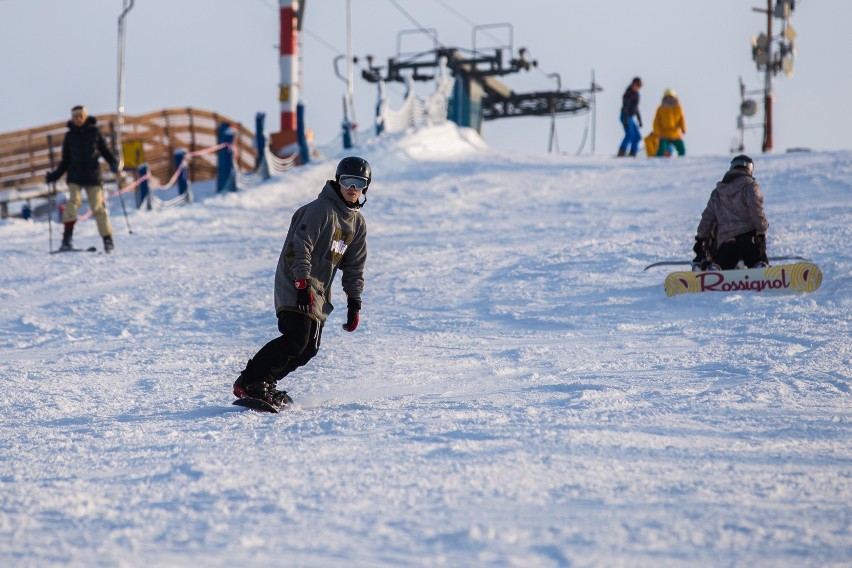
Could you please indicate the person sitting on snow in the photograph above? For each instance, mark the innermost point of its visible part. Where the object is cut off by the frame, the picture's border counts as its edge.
(733, 225)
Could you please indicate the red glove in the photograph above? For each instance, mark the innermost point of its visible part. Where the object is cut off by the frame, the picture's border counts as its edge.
(353, 306)
(304, 296)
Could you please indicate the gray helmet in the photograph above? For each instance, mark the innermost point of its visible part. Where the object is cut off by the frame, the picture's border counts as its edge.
(743, 161)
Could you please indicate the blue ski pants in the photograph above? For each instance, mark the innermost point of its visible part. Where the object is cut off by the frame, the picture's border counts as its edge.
(632, 136)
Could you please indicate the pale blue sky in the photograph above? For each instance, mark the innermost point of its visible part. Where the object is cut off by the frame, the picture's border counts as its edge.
(220, 55)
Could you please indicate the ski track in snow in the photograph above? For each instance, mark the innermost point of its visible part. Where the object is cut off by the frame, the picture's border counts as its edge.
(519, 392)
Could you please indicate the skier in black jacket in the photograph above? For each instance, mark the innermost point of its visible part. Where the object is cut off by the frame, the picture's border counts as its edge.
(81, 148)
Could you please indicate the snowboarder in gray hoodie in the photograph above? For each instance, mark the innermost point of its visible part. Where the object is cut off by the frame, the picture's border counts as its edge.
(733, 225)
(325, 235)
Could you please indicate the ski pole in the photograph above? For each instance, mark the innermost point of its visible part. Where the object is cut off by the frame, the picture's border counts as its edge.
(49, 220)
(121, 199)
(51, 193)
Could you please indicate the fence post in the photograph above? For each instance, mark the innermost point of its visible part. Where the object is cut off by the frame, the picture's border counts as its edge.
(259, 137)
(183, 176)
(304, 155)
(347, 134)
(226, 178)
(143, 191)
(260, 145)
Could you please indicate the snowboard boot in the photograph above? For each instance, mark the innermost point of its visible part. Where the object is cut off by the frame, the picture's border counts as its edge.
(261, 390)
(109, 246)
(278, 398)
(622, 152)
(68, 236)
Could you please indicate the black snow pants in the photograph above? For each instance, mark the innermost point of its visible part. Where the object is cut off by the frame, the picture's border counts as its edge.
(298, 343)
(746, 247)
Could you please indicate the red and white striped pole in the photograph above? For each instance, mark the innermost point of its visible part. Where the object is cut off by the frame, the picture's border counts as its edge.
(288, 89)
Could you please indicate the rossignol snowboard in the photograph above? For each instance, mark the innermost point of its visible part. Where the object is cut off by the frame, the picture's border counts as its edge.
(784, 278)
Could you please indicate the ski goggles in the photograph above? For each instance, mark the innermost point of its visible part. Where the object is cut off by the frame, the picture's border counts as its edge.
(353, 181)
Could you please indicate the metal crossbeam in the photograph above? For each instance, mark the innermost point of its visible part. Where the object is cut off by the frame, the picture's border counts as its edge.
(533, 104)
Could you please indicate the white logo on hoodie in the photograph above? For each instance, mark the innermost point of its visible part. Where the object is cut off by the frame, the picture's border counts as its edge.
(338, 247)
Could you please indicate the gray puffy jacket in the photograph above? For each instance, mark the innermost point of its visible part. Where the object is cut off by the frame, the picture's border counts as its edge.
(324, 235)
(735, 207)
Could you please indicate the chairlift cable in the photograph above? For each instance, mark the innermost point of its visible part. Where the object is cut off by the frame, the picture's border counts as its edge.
(416, 23)
(323, 41)
(465, 19)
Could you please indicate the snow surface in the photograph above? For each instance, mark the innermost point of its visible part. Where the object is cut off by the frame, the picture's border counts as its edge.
(519, 391)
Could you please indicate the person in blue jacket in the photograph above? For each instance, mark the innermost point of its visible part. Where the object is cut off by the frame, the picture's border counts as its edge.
(629, 109)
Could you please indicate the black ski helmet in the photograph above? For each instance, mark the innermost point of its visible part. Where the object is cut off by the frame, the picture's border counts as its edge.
(743, 161)
(354, 166)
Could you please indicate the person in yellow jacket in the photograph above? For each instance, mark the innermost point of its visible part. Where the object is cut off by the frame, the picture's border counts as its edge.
(670, 125)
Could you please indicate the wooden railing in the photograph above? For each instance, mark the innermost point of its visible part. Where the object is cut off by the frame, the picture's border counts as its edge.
(26, 155)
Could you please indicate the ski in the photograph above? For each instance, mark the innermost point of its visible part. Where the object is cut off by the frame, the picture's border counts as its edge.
(90, 249)
(689, 262)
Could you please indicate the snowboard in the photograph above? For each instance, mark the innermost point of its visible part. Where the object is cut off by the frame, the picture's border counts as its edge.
(90, 249)
(784, 278)
(689, 262)
(256, 404)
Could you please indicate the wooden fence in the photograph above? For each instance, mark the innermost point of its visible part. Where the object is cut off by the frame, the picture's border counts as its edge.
(26, 155)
